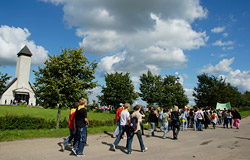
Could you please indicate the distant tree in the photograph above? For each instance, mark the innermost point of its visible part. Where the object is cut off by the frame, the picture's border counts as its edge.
(150, 88)
(165, 91)
(119, 89)
(173, 93)
(211, 90)
(246, 99)
(3, 81)
(64, 79)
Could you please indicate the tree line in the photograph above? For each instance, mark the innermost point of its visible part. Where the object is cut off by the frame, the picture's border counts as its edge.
(67, 77)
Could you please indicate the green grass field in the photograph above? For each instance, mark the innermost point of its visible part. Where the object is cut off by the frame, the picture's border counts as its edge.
(10, 135)
(48, 113)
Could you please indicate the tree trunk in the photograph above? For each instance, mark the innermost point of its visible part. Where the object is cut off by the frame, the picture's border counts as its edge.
(58, 117)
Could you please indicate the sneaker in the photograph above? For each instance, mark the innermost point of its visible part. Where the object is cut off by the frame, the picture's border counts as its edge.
(145, 149)
(62, 147)
(81, 155)
(73, 150)
(113, 147)
(129, 152)
(164, 137)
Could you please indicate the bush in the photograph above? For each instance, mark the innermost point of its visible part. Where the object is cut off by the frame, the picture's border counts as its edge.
(10, 122)
(99, 110)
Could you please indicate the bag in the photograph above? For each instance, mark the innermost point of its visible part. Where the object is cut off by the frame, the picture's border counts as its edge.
(133, 124)
(213, 116)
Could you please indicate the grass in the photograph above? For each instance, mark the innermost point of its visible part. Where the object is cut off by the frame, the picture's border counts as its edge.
(244, 113)
(48, 114)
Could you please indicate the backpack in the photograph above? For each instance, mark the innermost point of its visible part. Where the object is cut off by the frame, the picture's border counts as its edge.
(213, 116)
(133, 124)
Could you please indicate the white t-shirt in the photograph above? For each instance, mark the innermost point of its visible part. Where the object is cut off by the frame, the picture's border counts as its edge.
(124, 116)
(199, 115)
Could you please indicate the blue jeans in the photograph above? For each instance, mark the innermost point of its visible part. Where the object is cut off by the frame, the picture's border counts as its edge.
(69, 138)
(219, 121)
(117, 129)
(81, 138)
(165, 125)
(200, 125)
(122, 130)
(161, 126)
(184, 124)
(153, 128)
(131, 135)
(195, 125)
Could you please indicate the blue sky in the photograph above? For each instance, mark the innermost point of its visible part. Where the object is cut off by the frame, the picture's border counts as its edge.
(169, 37)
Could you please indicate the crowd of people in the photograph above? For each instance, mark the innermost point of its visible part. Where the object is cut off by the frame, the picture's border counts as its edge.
(163, 118)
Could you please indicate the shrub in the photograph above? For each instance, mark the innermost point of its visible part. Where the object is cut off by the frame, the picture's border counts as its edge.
(10, 122)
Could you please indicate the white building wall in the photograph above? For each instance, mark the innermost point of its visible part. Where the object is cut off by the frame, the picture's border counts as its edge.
(8, 94)
(23, 71)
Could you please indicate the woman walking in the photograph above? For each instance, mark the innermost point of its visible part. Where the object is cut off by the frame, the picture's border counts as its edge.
(236, 118)
(175, 122)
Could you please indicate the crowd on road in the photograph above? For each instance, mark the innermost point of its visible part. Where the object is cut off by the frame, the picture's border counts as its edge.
(162, 118)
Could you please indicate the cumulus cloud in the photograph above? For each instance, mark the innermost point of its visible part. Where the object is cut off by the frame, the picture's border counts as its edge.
(238, 78)
(94, 93)
(221, 67)
(189, 94)
(12, 40)
(218, 29)
(131, 37)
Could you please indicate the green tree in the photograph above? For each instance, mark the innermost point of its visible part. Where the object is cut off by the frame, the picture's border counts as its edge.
(64, 79)
(165, 91)
(119, 89)
(3, 80)
(173, 93)
(246, 99)
(150, 88)
(211, 90)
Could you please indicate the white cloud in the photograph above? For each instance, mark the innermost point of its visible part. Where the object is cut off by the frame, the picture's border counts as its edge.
(218, 29)
(94, 93)
(222, 66)
(225, 34)
(132, 37)
(12, 40)
(238, 78)
(220, 43)
(189, 93)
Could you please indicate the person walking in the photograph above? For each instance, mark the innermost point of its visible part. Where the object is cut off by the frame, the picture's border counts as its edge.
(165, 119)
(71, 127)
(81, 123)
(160, 118)
(184, 120)
(152, 118)
(237, 118)
(117, 118)
(200, 119)
(124, 121)
(214, 119)
(138, 116)
(175, 122)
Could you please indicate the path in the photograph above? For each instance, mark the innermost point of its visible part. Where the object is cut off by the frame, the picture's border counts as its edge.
(221, 144)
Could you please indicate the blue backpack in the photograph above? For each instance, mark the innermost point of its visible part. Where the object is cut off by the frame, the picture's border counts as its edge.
(133, 124)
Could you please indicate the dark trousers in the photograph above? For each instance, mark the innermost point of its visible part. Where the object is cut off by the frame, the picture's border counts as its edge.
(131, 135)
(121, 132)
(176, 129)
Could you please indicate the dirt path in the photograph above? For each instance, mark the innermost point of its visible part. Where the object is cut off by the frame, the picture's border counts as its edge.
(222, 144)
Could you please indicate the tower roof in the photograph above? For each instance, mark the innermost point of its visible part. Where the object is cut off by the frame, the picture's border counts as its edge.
(25, 51)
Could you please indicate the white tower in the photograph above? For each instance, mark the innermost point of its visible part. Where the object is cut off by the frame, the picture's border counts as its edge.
(19, 89)
(23, 67)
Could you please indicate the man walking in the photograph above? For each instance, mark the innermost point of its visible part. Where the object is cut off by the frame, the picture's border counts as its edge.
(117, 118)
(81, 123)
(124, 121)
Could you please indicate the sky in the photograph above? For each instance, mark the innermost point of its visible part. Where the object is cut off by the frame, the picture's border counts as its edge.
(168, 37)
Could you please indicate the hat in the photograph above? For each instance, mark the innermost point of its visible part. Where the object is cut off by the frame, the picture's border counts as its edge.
(121, 104)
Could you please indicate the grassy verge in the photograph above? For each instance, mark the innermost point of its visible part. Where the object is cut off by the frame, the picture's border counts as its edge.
(48, 114)
(10, 135)
(244, 113)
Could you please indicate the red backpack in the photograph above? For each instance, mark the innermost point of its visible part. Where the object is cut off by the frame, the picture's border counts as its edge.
(213, 116)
